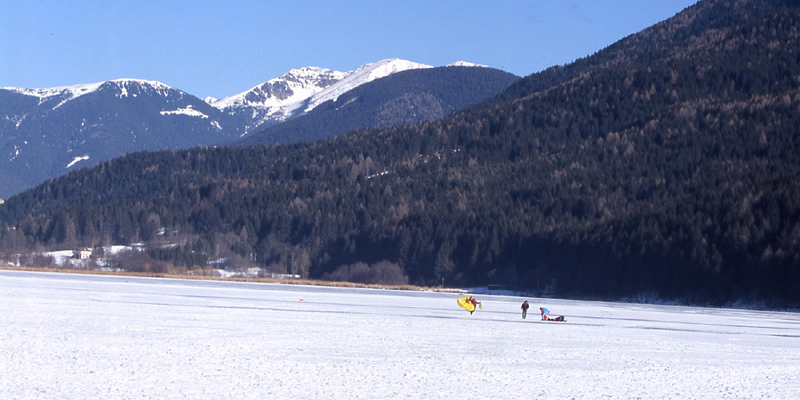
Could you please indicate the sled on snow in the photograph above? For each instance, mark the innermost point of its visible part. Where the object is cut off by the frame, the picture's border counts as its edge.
(546, 315)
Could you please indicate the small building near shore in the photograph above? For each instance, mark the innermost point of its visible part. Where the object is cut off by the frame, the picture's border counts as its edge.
(82, 254)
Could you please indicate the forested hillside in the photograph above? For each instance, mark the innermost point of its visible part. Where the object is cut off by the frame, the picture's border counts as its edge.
(666, 164)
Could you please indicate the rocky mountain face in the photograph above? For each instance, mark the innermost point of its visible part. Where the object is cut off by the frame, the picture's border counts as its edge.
(276, 100)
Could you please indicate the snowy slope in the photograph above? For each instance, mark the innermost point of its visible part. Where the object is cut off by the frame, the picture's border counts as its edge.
(360, 76)
(300, 90)
(71, 92)
(69, 336)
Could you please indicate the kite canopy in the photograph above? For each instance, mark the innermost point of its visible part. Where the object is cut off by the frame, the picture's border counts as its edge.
(466, 304)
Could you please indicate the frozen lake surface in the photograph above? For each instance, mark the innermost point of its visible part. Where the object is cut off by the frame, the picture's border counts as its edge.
(99, 337)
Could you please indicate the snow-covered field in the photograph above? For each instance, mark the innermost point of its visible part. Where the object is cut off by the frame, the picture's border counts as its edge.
(99, 337)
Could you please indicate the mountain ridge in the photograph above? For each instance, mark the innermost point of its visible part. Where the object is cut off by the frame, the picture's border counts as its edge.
(301, 90)
(402, 98)
(47, 132)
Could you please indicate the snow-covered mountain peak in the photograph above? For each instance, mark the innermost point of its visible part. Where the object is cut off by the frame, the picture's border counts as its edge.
(290, 88)
(131, 87)
(281, 98)
(140, 82)
(362, 75)
(71, 91)
(383, 68)
(64, 94)
(310, 74)
(466, 64)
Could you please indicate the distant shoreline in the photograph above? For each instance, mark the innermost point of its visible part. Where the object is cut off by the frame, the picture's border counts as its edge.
(309, 282)
(353, 285)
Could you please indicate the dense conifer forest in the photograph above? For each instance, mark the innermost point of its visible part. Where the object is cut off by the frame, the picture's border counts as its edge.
(667, 164)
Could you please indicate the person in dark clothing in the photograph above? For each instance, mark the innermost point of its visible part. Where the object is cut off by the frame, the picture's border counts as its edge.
(525, 307)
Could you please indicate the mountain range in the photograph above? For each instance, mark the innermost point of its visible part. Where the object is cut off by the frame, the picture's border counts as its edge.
(45, 133)
(664, 166)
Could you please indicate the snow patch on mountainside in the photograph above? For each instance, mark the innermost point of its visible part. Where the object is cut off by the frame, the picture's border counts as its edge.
(188, 110)
(15, 152)
(125, 84)
(76, 160)
(15, 119)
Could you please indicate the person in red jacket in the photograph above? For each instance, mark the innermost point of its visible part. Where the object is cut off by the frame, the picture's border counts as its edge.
(475, 304)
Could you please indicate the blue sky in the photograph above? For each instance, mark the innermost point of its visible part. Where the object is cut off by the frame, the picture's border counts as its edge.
(216, 48)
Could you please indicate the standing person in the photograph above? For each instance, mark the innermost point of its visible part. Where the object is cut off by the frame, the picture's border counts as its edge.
(525, 307)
